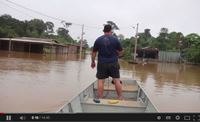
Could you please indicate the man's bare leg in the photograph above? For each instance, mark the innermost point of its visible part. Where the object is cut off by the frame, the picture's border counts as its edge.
(100, 87)
(118, 87)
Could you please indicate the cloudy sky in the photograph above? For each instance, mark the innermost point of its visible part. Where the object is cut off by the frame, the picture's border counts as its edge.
(176, 15)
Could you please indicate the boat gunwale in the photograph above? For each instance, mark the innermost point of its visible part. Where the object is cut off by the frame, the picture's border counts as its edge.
(147, 95)
(69, 101)
(137, 82)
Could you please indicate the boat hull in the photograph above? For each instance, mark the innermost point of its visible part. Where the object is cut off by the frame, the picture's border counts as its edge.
(136, 100)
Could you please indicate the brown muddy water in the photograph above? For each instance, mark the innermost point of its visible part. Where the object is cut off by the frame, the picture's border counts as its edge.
(171, 87)
(44, 83)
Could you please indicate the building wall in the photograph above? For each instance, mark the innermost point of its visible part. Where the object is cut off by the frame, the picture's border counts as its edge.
(18, 46)
(73, 49)
(61, 49)
(39, 47)
(165, 56)
(149, 53)
(21, 46)
(4, 45)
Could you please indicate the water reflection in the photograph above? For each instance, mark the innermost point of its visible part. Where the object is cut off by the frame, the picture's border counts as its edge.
(172, 87)
(43, 83)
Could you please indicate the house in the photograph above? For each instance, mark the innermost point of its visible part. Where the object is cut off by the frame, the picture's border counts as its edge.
(37, 45)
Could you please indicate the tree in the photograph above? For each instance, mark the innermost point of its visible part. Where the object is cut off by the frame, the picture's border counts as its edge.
(84, 43)
(162, 39)
(164, 30)
(64, 37)
(62, 32)
(174, 41)
(192, 40)
(11, 27)
(147, 33)
(114, 27)
(37, 27)
(120, 37)
(49, 27)
(143, 40)
(127, 45)
(66, 24)
(192, 47)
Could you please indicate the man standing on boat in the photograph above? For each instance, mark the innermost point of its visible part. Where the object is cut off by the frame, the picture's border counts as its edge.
(109, 49)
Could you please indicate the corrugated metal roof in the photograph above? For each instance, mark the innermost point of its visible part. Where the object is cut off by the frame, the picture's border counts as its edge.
(32, 40)
(37, 40)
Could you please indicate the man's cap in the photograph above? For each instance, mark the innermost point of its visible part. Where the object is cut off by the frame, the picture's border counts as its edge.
(107, 28)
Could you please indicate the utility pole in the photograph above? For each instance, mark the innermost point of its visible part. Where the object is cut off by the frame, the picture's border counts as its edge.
(81, 41)
(135, 49)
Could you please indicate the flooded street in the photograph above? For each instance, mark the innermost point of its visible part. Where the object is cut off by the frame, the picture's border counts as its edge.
(44, 83)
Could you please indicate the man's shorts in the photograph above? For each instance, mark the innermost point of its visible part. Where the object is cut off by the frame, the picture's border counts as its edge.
(104, 70)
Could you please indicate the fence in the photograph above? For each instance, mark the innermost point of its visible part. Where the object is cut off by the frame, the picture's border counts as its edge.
(169, 56)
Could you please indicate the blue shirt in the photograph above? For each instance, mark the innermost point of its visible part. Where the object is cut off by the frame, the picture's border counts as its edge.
(107, 47)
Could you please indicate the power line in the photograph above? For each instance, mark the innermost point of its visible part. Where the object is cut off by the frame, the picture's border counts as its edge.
(45, 15)
(16, 9)
(93, 27)
(34, 11)
(54, 18)
(40, 13)
(127, 27)
(51, 17)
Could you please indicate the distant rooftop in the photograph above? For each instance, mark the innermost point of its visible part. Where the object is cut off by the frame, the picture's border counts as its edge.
(37, 40)
(32, 40)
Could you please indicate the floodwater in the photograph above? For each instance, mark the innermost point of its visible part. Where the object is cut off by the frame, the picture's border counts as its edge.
(44, 83)
(41, 83)
(171, 87)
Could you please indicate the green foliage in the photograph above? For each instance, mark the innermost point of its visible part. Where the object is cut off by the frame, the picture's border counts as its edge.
(36, 27)
(84, 43)
(193, 55)
(65, 40)
(128, 46)
(167, 41)
(120, 37)
(62, 32)
(114, 27)
(145, 39)
(64, 37)
(49, 27)
(191, 48)
(11, 27)
(173, 41)
(66, 24)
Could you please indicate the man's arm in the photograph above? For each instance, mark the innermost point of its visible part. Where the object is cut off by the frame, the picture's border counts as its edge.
(119, 49)
(93, 54)
(120, 53)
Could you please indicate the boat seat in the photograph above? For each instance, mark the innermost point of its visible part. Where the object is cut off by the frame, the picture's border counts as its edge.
(123, 106)
(122, 103)
(125, 88)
